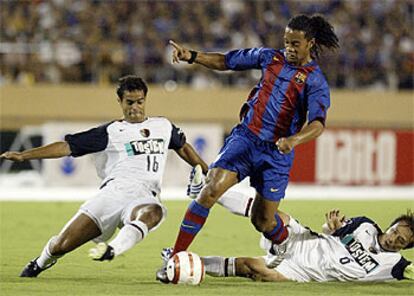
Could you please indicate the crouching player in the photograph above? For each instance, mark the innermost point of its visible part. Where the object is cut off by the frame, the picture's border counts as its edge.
(130, 157)
(350, 250)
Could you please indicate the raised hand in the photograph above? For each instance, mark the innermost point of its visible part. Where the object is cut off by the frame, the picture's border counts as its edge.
(180, 53)
(334, 219)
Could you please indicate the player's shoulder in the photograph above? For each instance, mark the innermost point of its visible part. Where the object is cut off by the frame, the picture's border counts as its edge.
(316, 77)
(355, 222)
(113, 125)
(359, 220)
(159, 120)
(160, 123)
(352, 224)
(268, 53)
(103, 127)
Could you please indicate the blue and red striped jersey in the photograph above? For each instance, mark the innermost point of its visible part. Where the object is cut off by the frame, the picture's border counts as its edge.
(286, 96)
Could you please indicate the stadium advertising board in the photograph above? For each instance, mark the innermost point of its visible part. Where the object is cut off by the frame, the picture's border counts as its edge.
(357, 157)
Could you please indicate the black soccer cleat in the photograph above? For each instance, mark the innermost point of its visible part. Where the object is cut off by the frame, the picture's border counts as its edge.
(32, 269)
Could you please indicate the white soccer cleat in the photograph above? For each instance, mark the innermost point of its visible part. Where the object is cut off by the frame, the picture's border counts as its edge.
(101, 252)
(196, 182)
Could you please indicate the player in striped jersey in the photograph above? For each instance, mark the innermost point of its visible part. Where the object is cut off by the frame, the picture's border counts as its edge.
(291, 92)
(130, 157)
(353, 249)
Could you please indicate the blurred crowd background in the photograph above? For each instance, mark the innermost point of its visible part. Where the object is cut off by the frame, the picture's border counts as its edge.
(85, 41)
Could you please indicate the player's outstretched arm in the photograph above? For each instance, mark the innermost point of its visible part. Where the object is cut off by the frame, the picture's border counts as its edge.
(308, 133)
(189, 155)
(54, 150)
(211, 60)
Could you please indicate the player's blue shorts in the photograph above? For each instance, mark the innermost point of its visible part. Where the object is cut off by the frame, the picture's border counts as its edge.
(247, 155)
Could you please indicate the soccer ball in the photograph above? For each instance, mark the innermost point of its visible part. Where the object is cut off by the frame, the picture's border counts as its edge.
(185, 268)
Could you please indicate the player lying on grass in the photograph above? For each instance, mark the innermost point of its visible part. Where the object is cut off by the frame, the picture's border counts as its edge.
(353, 249)
(130, 158)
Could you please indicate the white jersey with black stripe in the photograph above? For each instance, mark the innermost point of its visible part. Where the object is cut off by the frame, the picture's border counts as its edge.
(130, 152)
(351, 254)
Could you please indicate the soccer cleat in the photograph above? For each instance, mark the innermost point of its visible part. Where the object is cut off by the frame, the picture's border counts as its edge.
(196, 182)
(161, 274)
(102, 252)
(278, 252)
(32, 269)
(166, 254)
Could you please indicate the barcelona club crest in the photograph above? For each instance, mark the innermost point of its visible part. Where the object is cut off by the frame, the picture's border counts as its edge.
(145, 132)
(300, 78)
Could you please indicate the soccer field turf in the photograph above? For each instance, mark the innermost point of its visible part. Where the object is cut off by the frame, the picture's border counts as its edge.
(25, 228)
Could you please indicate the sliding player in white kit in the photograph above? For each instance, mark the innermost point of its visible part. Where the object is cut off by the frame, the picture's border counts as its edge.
(130, 157)
(353, 249)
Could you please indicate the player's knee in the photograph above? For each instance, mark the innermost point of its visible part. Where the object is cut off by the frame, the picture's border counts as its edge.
(210, 194)
(151, 215)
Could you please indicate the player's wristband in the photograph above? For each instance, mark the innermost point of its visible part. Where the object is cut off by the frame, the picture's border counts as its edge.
(193, 56)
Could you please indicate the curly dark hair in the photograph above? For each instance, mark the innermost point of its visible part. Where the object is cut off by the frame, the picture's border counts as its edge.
(408, 219)
(130, 83)
(316, 27)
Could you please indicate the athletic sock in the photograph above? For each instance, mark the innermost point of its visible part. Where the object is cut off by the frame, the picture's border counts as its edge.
(129, 235)
(46, 258)
(237, 203)
(193, 221)
(220, 266)
(279, 233)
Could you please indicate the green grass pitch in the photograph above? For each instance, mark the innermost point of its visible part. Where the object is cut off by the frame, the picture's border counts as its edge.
(25, 227)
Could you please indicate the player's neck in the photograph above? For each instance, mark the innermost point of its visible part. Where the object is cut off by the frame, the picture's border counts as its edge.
(306, 61)
(136, 120)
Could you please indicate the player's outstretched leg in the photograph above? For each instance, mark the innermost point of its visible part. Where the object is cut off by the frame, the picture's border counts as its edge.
(79, 230)
(145, 218)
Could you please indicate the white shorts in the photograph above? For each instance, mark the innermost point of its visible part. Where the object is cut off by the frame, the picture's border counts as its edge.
(113, 205)
(305, 258)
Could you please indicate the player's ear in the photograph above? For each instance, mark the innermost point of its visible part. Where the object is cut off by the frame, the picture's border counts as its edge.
(311, 43)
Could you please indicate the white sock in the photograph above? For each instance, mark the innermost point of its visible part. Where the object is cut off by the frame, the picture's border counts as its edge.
(220, 266)
(45, 257)
(237, 203)
(129, 235)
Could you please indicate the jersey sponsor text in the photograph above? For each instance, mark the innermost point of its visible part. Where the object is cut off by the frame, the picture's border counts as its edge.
(151, 146)
(361, 256)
